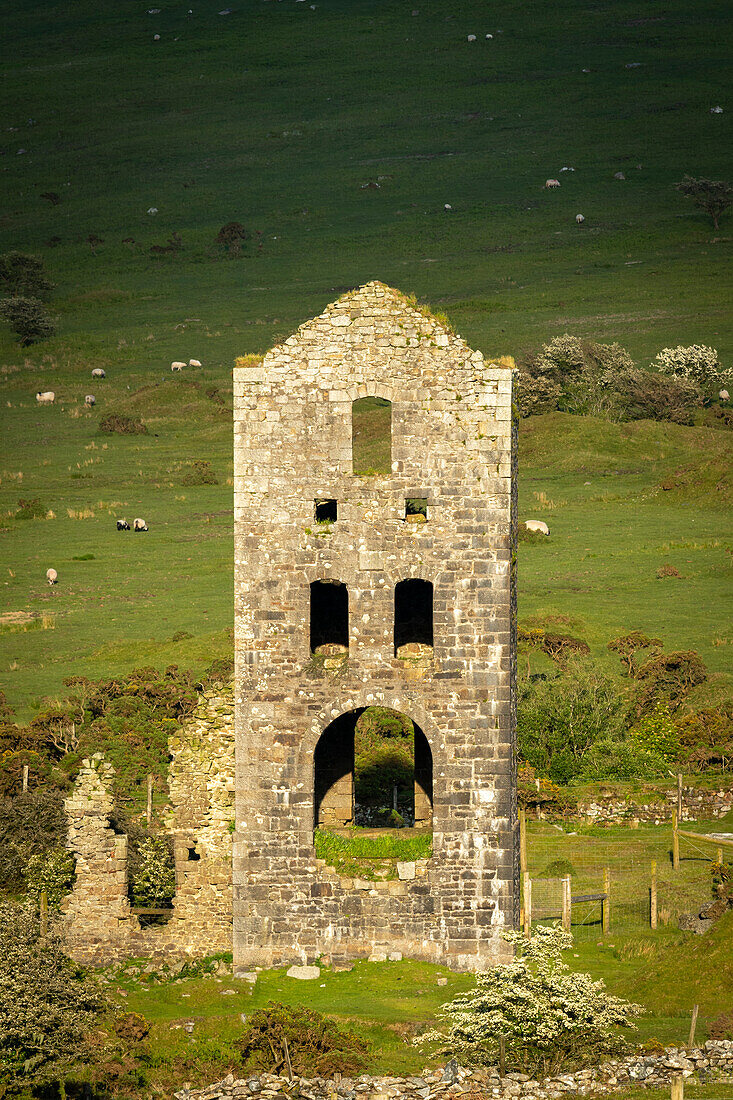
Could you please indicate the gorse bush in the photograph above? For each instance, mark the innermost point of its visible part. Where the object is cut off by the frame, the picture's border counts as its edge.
(153, 877)
(551, 1018)
(32, 824)
(314, 1044)
(121, 424)
(200, 473)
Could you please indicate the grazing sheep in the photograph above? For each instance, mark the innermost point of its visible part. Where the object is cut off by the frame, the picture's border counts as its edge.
(52, 576)
(90, 400)
(724, 395)
(579, 218)
(139, 525)
(619, 176)
(123, 525)
(551, 183)
(194, 363)
(46, 398)
(471, 37)
(177, 366)
(537, 525)
(98, 373)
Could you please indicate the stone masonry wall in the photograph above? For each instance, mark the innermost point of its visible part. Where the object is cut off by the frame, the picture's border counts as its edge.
(452, 443)
(100, 925)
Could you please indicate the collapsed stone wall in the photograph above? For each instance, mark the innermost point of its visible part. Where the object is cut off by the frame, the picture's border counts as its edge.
(697, 805)
(101, 926)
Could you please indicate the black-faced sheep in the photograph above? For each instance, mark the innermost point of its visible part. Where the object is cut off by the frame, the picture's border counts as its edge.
(123, 525)
(52, 576)
(46, 398)
(139, 525)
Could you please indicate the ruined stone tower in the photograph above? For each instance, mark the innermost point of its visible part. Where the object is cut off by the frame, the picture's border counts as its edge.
(417, 616)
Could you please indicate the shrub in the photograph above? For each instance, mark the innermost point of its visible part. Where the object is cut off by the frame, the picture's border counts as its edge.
(200, 473)
(628, 645)
(525, 535)
(34, 823)
(647, 395)
(23, 276)
(557, 646)
(152, 875)
(722, 1026)
(561, 717)
(52, 872)
(537, 392)
(668, 570)
(551, 1018)
(706, 738)
(31, 508)
(542, 794)
(618, 758)
(48, 1005)
(711, 196)
(28, 318)
(315, 1044)
(231, 237)
(697, 363)
(119, 424)
(669, 677)
(656, 733)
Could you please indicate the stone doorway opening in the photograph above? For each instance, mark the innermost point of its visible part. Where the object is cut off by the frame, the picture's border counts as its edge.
(373, 769)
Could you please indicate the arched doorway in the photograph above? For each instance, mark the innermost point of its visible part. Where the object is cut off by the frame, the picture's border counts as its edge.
(373, 769)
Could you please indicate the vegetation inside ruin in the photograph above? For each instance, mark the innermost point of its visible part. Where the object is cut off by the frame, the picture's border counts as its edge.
(369, 853)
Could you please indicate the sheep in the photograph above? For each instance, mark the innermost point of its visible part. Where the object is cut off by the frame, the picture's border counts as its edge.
(194, 363)
(579, 218)
(52, 576)
(619, 176)
(123, 525)
(177, 366)
(98, 373)
(724, 395)
(46, 398)
(551, 183)
(139, 525)
(90, 400)
(537, 525)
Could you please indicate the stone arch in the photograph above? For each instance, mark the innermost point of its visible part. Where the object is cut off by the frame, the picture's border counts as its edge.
(333, 775)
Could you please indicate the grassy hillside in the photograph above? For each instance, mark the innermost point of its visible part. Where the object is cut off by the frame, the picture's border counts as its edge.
(282, 117)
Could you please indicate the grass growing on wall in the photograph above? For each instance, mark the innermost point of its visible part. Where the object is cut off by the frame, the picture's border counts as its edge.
(366, 851)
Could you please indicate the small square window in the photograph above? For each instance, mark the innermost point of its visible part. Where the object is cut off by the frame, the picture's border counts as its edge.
(416, 510)
(326, 511)
(193, 855)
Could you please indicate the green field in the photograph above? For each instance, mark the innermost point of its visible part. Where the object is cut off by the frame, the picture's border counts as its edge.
(278, 116)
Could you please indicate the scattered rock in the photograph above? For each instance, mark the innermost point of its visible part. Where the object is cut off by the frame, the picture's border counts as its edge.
(304, 973)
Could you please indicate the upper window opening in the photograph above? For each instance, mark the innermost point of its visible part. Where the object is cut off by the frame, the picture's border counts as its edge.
(413, 618)
(371, 436)
(329, 617)
(326, 511)
(416, 510)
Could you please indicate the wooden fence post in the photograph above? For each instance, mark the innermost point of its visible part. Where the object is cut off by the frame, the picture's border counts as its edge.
(677, 1088)
(150, 800)
(522, 841)
(653, 898)
(720, 855)
(25, 778)
(43, 914)
(675, 841)
(502, 1055)
(679, 796)
(693, 1025)
(566, 904)
(606, 903)
(527, 905)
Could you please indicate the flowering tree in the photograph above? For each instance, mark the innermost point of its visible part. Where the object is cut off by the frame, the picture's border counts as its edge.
(696, 363)
(548, 1016)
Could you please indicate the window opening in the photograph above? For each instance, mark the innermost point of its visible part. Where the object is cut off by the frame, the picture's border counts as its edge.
(416, 510)
(326, 511)
(413, 619)
(329, 617)
(193, 855)
(371, 436)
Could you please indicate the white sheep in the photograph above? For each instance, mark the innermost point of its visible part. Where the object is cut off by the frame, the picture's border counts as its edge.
(537, 525)
(579, 218)
(52, 576)
(619, 176)
(194, 363)
(98, 373)
(139, 525)
(90, 400)
(724, 395)
(46, 398)
(551, 183)
(177, 366)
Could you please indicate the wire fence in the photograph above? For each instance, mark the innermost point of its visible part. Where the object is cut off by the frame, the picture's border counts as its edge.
(629, 872)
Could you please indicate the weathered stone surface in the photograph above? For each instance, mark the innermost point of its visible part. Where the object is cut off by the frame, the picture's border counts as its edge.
(453, 444)
(304, 973)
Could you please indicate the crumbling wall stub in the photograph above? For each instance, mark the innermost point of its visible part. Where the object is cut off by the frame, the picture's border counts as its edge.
(100, 926)
(453, 445)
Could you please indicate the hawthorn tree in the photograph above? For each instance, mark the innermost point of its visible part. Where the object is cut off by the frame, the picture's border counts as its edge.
(711, 196)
